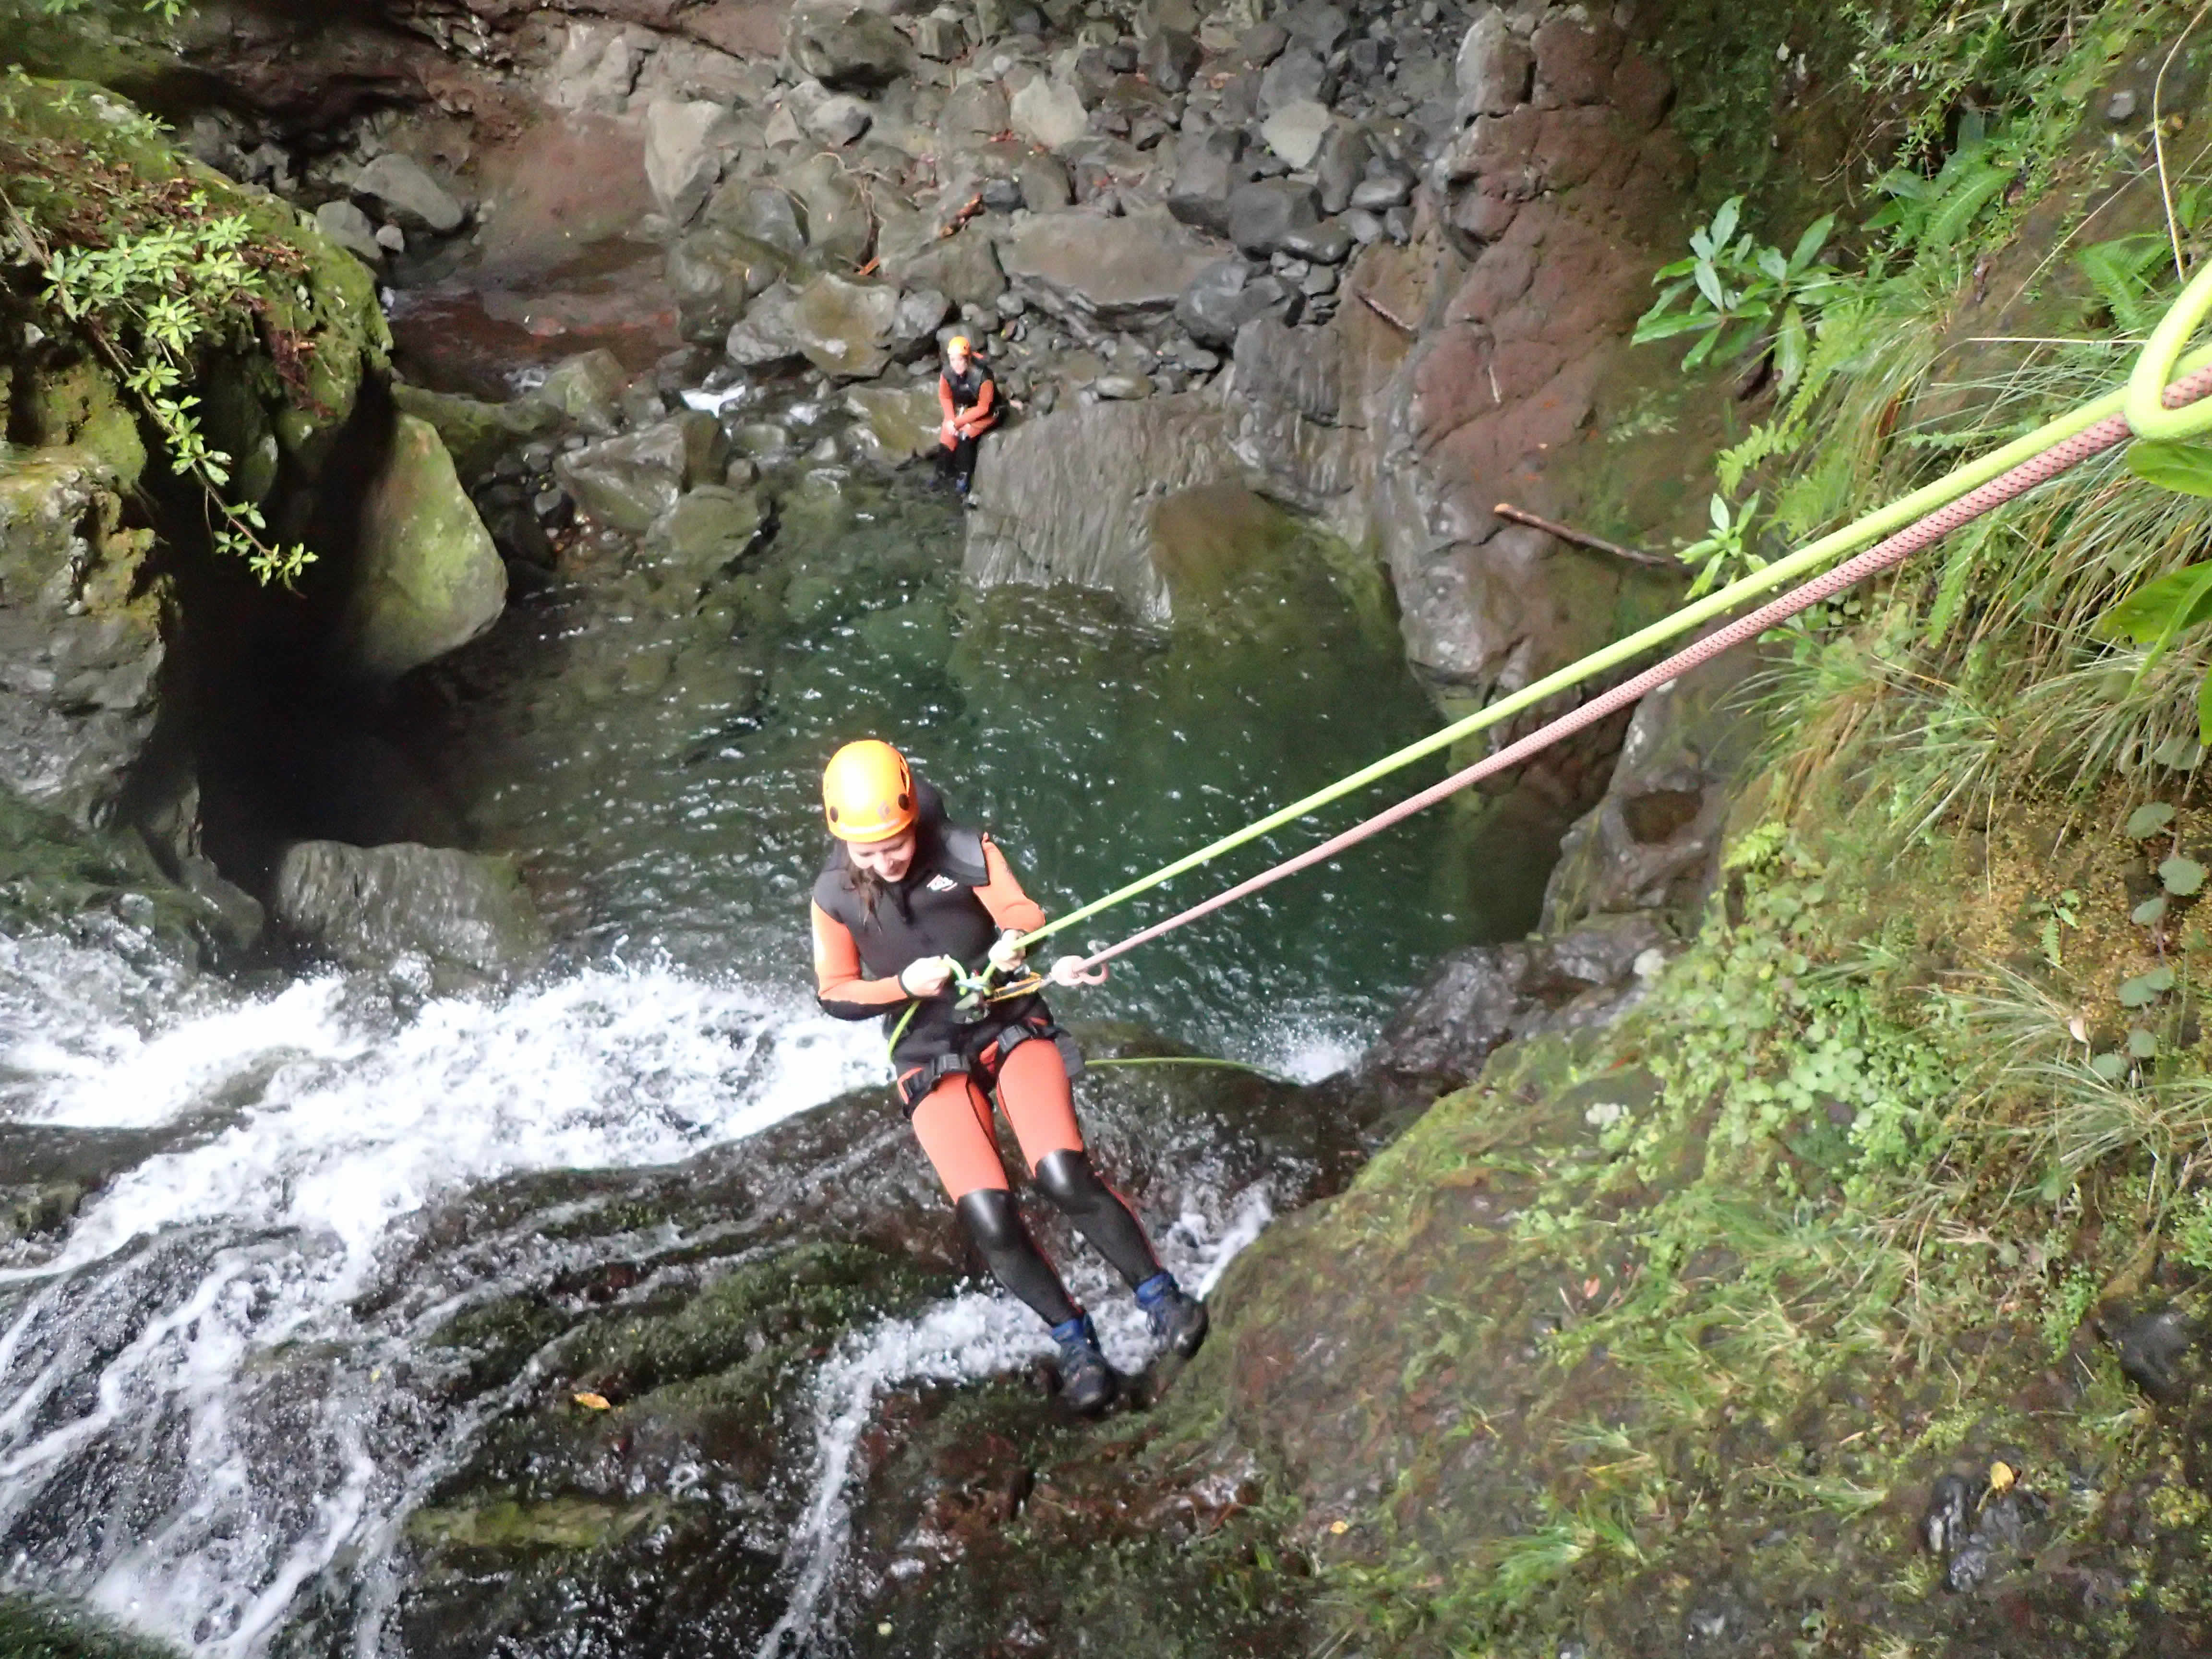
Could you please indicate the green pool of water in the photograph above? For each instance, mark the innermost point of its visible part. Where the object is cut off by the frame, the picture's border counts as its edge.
(649, 739)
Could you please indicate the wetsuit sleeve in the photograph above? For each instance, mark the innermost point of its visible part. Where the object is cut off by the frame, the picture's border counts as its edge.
(983, 413)
(838, 986)
(1002, 895)
(945, 399)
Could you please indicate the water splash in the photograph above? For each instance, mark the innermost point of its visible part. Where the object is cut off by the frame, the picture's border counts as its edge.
(190, 1470)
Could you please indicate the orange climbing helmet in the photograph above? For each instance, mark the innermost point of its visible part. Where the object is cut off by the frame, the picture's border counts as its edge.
(867, 792)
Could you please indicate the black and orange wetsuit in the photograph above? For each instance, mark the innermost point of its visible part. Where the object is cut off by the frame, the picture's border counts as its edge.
(970, 405)
(955, 899)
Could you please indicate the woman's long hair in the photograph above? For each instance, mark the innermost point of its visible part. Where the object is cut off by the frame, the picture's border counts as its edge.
(865, 882)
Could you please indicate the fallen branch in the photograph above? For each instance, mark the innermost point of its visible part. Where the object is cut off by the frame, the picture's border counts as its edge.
(1579, 538)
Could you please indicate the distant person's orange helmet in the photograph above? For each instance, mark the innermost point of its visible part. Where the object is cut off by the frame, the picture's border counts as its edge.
(867, 792)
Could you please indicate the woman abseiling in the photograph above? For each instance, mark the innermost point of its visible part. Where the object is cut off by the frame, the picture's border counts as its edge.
(905, 897)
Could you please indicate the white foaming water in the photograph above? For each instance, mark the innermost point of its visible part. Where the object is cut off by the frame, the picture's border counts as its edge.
(188, 1389)
(330, 1118)
(966, 1339)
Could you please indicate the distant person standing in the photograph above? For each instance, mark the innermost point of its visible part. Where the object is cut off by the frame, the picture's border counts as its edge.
(968, 398)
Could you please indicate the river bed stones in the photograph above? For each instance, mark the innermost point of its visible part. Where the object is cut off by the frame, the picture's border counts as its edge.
(1114, 272)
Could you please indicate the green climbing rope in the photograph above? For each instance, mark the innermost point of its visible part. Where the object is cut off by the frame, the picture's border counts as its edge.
(1192, 1060)
(2140, 400)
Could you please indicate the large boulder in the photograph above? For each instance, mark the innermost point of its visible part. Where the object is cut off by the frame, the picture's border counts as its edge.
(1209, 166)
(1264, 215)
(586, 391)
(687, 143)
(1477, 998)
(833, 210)
(846, 329)
(629, 482)
(1493, 67)
(408, 196)
(845, 46)
(80, 640)
(1226, 295)
(963, 267)
(1113, 270)
(708, 527)
(427, 578)
(714, 273)
(767, 333)
(477, 434)
(1296, 130)
(759, 212)
(897, 423)
(1071, 497)
(369, 906)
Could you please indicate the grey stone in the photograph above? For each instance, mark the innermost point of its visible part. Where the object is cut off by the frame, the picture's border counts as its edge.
(627, 483)
(1045, 184)
(1477, 999)
(391, 239)
(761, 212)
(1328, 243)
(426, 577)
(845, 328)
(80, 635)
(710, 526)
(1112, 270)
(834, 211)
(1049, 112)
(408, 195)
(1297, 76)
(1122, 388)
(1339, 166)
(1209, 166)
(586, 391)
(351, 230)
(899, 423)
(963, 267)
(940, 37)
(972, 116)
(1389, 190)
(845, 46)
(368, 906)
(838, 120)
(687, 143)
(1261, 43)
(766, 334)
(1494, 69)
(714, 274)
(1000, 195)
(920, 314)
(1317, 24)
(1224, 298)
(1262, 213)
(479, 436)
(1296, 130)
(1169, 59)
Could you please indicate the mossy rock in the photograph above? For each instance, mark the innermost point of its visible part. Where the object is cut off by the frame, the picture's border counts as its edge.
(32, 1627)
(477, 434)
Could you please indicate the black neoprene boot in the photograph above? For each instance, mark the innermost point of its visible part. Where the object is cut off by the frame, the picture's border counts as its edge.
(1086, 1381)
(1179, 1321)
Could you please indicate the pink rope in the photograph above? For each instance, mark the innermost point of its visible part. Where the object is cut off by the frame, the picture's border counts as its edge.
(2061, 457)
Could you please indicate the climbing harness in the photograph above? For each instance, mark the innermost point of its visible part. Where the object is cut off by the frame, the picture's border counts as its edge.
(2153, 404)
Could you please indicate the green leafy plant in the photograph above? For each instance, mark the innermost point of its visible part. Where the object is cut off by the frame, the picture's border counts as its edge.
(1727, 553)
(2161, 610)
(148, 296)
(1740, 295)
(167, 10)
(2055, 915)
(1932, 214)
